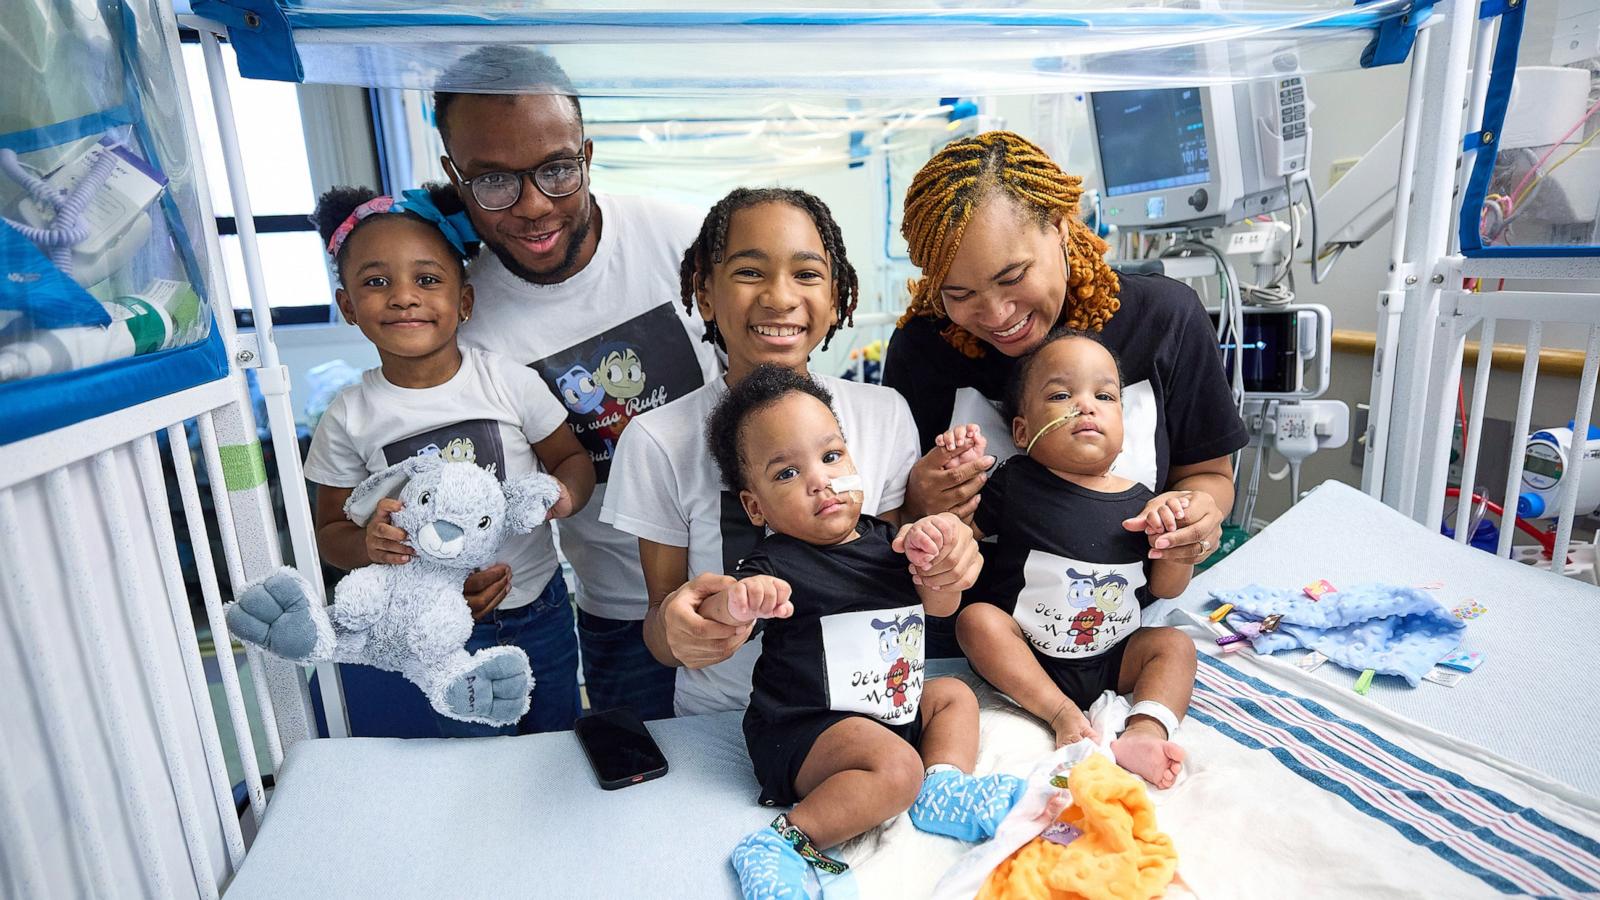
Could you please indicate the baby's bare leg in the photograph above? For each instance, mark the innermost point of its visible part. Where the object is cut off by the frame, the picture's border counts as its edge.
(997, 649)
(949, 724)
(1158, 665)
(858, 775)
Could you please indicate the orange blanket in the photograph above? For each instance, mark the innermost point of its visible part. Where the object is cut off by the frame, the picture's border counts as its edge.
(1120, 853)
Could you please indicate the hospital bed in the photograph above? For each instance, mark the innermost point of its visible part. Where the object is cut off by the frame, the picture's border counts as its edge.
(412, 818)
(115, 784)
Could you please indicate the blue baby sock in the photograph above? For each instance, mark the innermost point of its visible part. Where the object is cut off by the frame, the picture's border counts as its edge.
(775, 862)
(967, 807)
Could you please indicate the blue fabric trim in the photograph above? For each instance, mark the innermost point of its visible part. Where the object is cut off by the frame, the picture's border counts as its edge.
(37, 405)
(66, 132)
(1496, 102)
(260, 35)
(1375, 775)
(1395, 37)
(1491, 8)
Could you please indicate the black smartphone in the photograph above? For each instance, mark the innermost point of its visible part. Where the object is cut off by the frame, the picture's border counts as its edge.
(619, 748)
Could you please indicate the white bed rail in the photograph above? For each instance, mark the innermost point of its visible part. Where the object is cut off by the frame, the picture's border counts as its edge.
(113, 780)
(1464, 312)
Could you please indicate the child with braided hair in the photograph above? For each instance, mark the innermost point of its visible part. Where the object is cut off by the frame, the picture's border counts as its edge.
(400, 263)
(992, 222)
(769, 276)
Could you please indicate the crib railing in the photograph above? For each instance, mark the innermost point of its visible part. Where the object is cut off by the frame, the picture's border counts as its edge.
(114, 781)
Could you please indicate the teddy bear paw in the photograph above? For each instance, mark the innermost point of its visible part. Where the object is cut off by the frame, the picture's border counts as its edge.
(275, 615)
(494, 690)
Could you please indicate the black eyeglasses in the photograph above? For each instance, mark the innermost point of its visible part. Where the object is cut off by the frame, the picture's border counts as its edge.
(555, 179)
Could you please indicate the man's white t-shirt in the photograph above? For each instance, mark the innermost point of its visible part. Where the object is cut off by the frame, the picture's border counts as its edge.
(490, 412)
(612, 341)
(667, 490)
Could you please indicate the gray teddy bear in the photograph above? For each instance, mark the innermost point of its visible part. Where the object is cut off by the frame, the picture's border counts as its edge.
(413, 618)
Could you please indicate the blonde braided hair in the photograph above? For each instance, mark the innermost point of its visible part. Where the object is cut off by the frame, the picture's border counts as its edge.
(939, 205)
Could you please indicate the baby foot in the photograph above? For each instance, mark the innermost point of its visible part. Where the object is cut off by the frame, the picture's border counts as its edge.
(493, 691)
(1145, 751)
(769, 868)
(1071, 725)
(275, 614)
(965, 807)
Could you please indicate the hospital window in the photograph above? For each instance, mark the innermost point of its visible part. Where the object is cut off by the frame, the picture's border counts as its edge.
(278, 174)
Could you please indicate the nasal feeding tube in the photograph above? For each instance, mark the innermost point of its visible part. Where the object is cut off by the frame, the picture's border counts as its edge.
(1072, 413)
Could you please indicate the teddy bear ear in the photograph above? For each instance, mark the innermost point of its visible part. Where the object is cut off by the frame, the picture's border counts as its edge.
(363, 501)
(528, 500)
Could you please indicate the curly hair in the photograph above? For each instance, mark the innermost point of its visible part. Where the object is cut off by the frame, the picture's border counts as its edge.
(950, 186)
(337, 203)
(1017, 381)
(706, 251)
(764, 386)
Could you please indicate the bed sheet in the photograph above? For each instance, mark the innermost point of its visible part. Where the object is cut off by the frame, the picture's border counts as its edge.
(1530, 701)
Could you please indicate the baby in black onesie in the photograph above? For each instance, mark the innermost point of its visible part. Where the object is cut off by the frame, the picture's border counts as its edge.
(1055, 621)
(841, 723)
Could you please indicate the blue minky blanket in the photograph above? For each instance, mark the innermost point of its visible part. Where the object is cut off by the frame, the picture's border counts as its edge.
(1391, 629)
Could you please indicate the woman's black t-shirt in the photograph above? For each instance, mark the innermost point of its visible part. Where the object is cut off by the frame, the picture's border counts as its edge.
(855, 641)
(1177, 406)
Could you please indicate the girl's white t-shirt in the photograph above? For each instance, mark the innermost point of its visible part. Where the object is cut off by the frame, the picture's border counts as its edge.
(490, 412)
(665, 488)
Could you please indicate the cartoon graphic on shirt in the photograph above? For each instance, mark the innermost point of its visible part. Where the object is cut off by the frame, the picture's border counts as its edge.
(475, 441)
(1069, 608)
(855, 648)
(1108, 591)
(603, 381)
(1080, 591)
(620, 374)
(578, 391)
(898, 640)
(1084, 626)
(460, 450)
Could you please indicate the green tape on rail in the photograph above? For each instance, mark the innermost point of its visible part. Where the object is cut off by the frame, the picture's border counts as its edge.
(242, 466)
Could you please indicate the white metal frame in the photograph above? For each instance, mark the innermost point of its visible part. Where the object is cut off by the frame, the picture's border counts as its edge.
(1425, 317)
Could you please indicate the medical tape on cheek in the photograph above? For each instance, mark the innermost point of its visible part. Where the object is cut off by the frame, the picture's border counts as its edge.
(1052, 425)
(846, 483)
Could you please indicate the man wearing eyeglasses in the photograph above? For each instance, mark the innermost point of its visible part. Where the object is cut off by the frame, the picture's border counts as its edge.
(583, 288)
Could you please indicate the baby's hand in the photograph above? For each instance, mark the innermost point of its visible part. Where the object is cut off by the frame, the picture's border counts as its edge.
(759, 597)
(1165, 511)
(920, 541)
(965, 443)
(385, 542)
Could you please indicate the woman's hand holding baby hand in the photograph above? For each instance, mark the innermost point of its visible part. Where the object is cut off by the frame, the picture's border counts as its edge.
(949, 477)
(1192, 533)
(760, 597)
(966, 442)
(385, 542)
(943, 555)
(1163, 513)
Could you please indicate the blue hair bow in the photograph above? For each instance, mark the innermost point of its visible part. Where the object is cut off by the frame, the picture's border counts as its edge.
(456, 227)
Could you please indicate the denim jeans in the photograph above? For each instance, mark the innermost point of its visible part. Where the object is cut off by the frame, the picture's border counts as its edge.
(543, 629)
(618, 669)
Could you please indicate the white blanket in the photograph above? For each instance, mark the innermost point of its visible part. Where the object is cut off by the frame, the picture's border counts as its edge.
(1296, 794)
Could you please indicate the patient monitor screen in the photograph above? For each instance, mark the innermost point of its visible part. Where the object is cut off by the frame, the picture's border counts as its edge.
(1151, 140)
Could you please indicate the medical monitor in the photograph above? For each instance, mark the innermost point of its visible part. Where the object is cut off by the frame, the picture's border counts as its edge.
(1198, 156)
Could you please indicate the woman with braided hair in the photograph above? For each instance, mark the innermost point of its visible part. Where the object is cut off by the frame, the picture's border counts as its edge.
(992, 222)
(768, 275)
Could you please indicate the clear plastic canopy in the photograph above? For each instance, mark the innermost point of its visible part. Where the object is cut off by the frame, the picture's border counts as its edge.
(908, 49)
